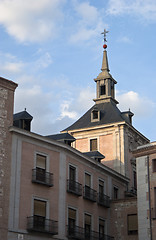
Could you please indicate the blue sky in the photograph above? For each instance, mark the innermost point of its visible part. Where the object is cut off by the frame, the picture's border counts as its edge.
(53, 50)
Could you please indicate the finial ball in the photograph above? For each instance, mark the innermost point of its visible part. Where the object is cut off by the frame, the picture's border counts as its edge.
(105, 46)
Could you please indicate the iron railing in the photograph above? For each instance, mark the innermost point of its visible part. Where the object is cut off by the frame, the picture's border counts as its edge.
(89, 193)
(103, 200)
(74, 187)
(42, 177)
(41, 224)
(79, 233)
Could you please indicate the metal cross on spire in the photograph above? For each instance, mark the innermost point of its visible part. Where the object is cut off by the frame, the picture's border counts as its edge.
(104, 35)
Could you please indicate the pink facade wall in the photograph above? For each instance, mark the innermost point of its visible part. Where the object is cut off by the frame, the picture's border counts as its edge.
(29, 189)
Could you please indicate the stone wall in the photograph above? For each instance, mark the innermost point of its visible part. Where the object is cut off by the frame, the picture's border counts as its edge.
(6, 119)
(120, 209)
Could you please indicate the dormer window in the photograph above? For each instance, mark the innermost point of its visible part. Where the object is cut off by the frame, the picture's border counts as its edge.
(95, 115)
(102, 90)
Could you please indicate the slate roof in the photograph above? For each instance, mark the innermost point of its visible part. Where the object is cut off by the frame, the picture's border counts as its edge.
(22, 115)
(94, 154)
(62, 136)
(109, 113)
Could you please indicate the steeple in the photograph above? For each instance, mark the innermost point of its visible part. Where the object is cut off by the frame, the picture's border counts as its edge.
(105, 91)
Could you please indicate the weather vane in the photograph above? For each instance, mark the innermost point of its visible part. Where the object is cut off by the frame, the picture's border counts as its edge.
(104, 38)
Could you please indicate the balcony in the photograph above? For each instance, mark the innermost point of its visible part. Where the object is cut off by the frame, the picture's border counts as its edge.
(74, 187)
(103, 200)
(42, 225)
(79, 233)
(131, 192)
(89, 193)
(40, 176)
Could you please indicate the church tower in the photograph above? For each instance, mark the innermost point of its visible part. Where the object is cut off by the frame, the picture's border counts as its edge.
(104, 128)
(105, 84)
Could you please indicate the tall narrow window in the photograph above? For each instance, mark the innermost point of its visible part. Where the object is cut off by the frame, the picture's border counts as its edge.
(40, 167)
(134, 180)
(102, 90)
(72, 178)
(101, 187)
(39, 214)
(132, 222)
(101, 228)
(93, 144)
(87, 226)
(71, 221)
(72, 173)
(87, 180)
(115, 193)
(154, 165)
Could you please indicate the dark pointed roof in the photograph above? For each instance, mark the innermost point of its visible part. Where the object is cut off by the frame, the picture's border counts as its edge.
(22, 115)
(109, 113)
(62, 137)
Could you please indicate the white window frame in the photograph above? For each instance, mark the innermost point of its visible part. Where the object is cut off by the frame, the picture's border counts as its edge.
(42, 154)
(43, 200)
(76, 168)
(74, 208)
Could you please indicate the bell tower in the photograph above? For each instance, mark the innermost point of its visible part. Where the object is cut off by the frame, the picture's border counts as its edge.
(105, 84)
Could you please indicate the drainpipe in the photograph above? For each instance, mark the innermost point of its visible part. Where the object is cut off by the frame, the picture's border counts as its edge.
(149, 195)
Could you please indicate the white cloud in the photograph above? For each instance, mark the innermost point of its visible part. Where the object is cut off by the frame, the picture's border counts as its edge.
(65, 111)
(142, 8)
(44, 61)
(31, 21)
(89, 22)
(140, 106)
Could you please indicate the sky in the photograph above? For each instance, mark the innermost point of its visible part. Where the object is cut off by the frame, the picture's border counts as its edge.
(53, 50)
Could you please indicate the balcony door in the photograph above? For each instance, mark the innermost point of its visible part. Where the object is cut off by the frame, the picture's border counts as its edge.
(71, 222)
(40, 167)
(39, 214)
(87, 226)
(72, 177)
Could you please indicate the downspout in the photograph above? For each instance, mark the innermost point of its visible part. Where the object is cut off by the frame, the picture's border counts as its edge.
(149, 195)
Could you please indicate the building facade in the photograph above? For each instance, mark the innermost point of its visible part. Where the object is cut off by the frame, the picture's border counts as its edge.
(80, 184)
(146, 179)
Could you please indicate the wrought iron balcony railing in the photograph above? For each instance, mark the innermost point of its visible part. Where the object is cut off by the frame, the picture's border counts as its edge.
(79, 233)
(103, 200)
(41, 224)
(89, 193)
(42, 177)
(74, 187)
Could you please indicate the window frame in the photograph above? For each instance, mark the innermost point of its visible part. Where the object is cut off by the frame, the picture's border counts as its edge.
(154, 165)
(132, 232)
(90, 140)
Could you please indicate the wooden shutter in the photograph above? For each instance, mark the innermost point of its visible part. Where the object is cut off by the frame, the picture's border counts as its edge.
(40, 161)
(39, 208)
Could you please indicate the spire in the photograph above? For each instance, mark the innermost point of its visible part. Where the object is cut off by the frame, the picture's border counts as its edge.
(105, 90)
(105, 66)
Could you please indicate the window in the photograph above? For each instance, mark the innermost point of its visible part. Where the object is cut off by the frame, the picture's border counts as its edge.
(87, 226)
(40, 167)
(101, 228)
(115, 193)
(134, 180)
(154, 165)
(132, 222)
(71, 221)
(39, 214)
(102, 90)
(101, 187)
(72, 173)
(87, 180)
(93, 144)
